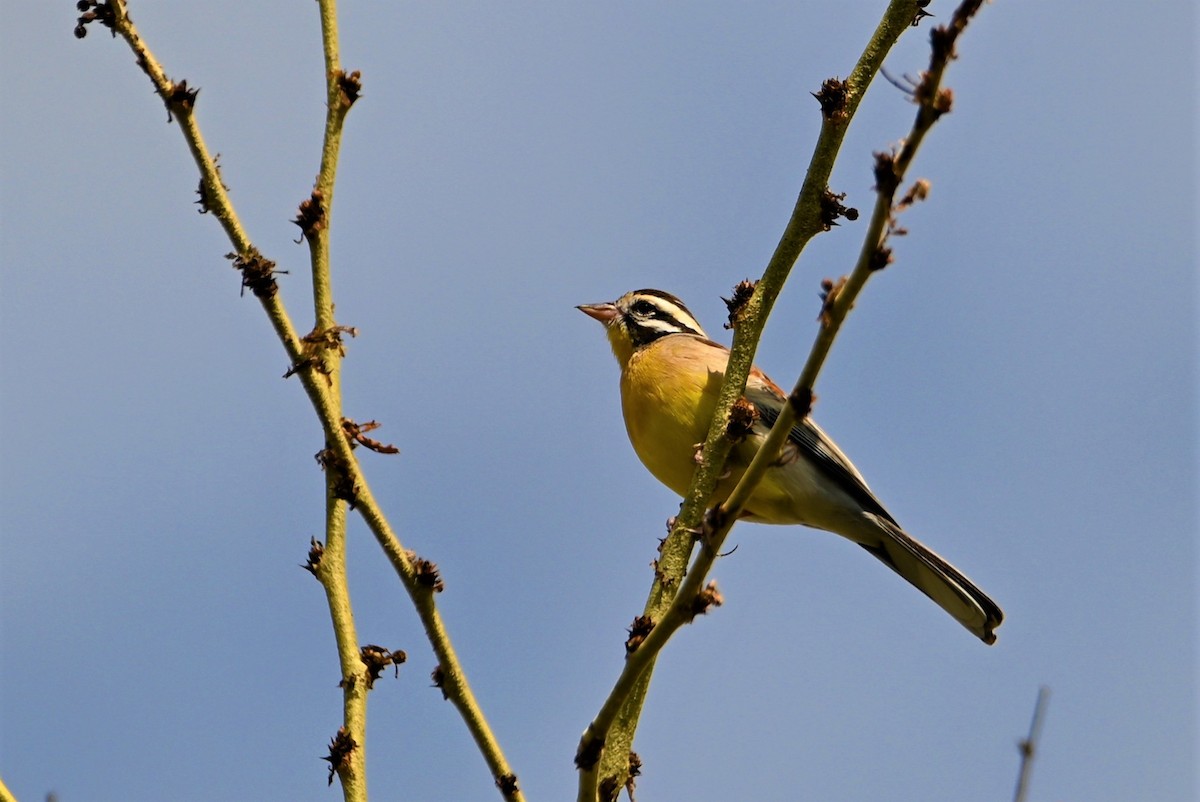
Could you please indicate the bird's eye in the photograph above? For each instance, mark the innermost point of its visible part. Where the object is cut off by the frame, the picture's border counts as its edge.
(644, 308)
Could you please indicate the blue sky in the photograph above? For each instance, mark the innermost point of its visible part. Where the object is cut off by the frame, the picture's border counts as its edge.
(1019, 388)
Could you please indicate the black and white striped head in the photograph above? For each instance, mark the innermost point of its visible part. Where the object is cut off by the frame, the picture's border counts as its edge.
(640, 317)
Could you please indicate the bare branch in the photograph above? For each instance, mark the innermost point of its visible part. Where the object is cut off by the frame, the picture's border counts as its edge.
(1028, 747)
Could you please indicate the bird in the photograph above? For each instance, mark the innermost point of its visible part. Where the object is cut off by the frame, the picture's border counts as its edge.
(671, 373)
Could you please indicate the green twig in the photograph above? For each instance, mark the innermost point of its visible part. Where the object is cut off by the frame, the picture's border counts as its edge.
(326, 351)
(610, 734)
(258, 273)
(341, 90)
(329, 566)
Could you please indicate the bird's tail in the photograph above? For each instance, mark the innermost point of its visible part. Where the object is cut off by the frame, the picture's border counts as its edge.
(937, 579)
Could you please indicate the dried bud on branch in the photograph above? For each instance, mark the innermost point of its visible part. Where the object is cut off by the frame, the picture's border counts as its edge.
(742, 293)
(638, 631)
(832, 98)
(316, 551)
(377, 658)
(258, 273)
(832, 209)
(340, 749)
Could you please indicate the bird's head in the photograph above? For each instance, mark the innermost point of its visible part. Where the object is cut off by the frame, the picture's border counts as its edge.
(639, 318)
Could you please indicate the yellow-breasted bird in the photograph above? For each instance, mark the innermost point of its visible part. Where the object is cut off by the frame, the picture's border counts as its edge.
(670, 375)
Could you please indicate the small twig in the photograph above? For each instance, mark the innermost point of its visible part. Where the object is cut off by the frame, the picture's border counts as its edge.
(1028, 747)
(341, 90)
(908, 86)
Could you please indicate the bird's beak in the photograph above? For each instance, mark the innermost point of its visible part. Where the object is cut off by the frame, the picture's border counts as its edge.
(605, 313)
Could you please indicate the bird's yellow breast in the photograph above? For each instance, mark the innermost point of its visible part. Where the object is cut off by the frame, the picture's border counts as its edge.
(669, 389)
(667, 397)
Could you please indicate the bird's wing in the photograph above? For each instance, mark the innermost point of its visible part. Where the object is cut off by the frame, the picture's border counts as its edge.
(817, 447)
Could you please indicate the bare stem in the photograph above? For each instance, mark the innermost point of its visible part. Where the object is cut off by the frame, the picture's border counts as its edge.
(331, 571)
(337, 105)
(1028, 747)
(314, 221)
(315, 373)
